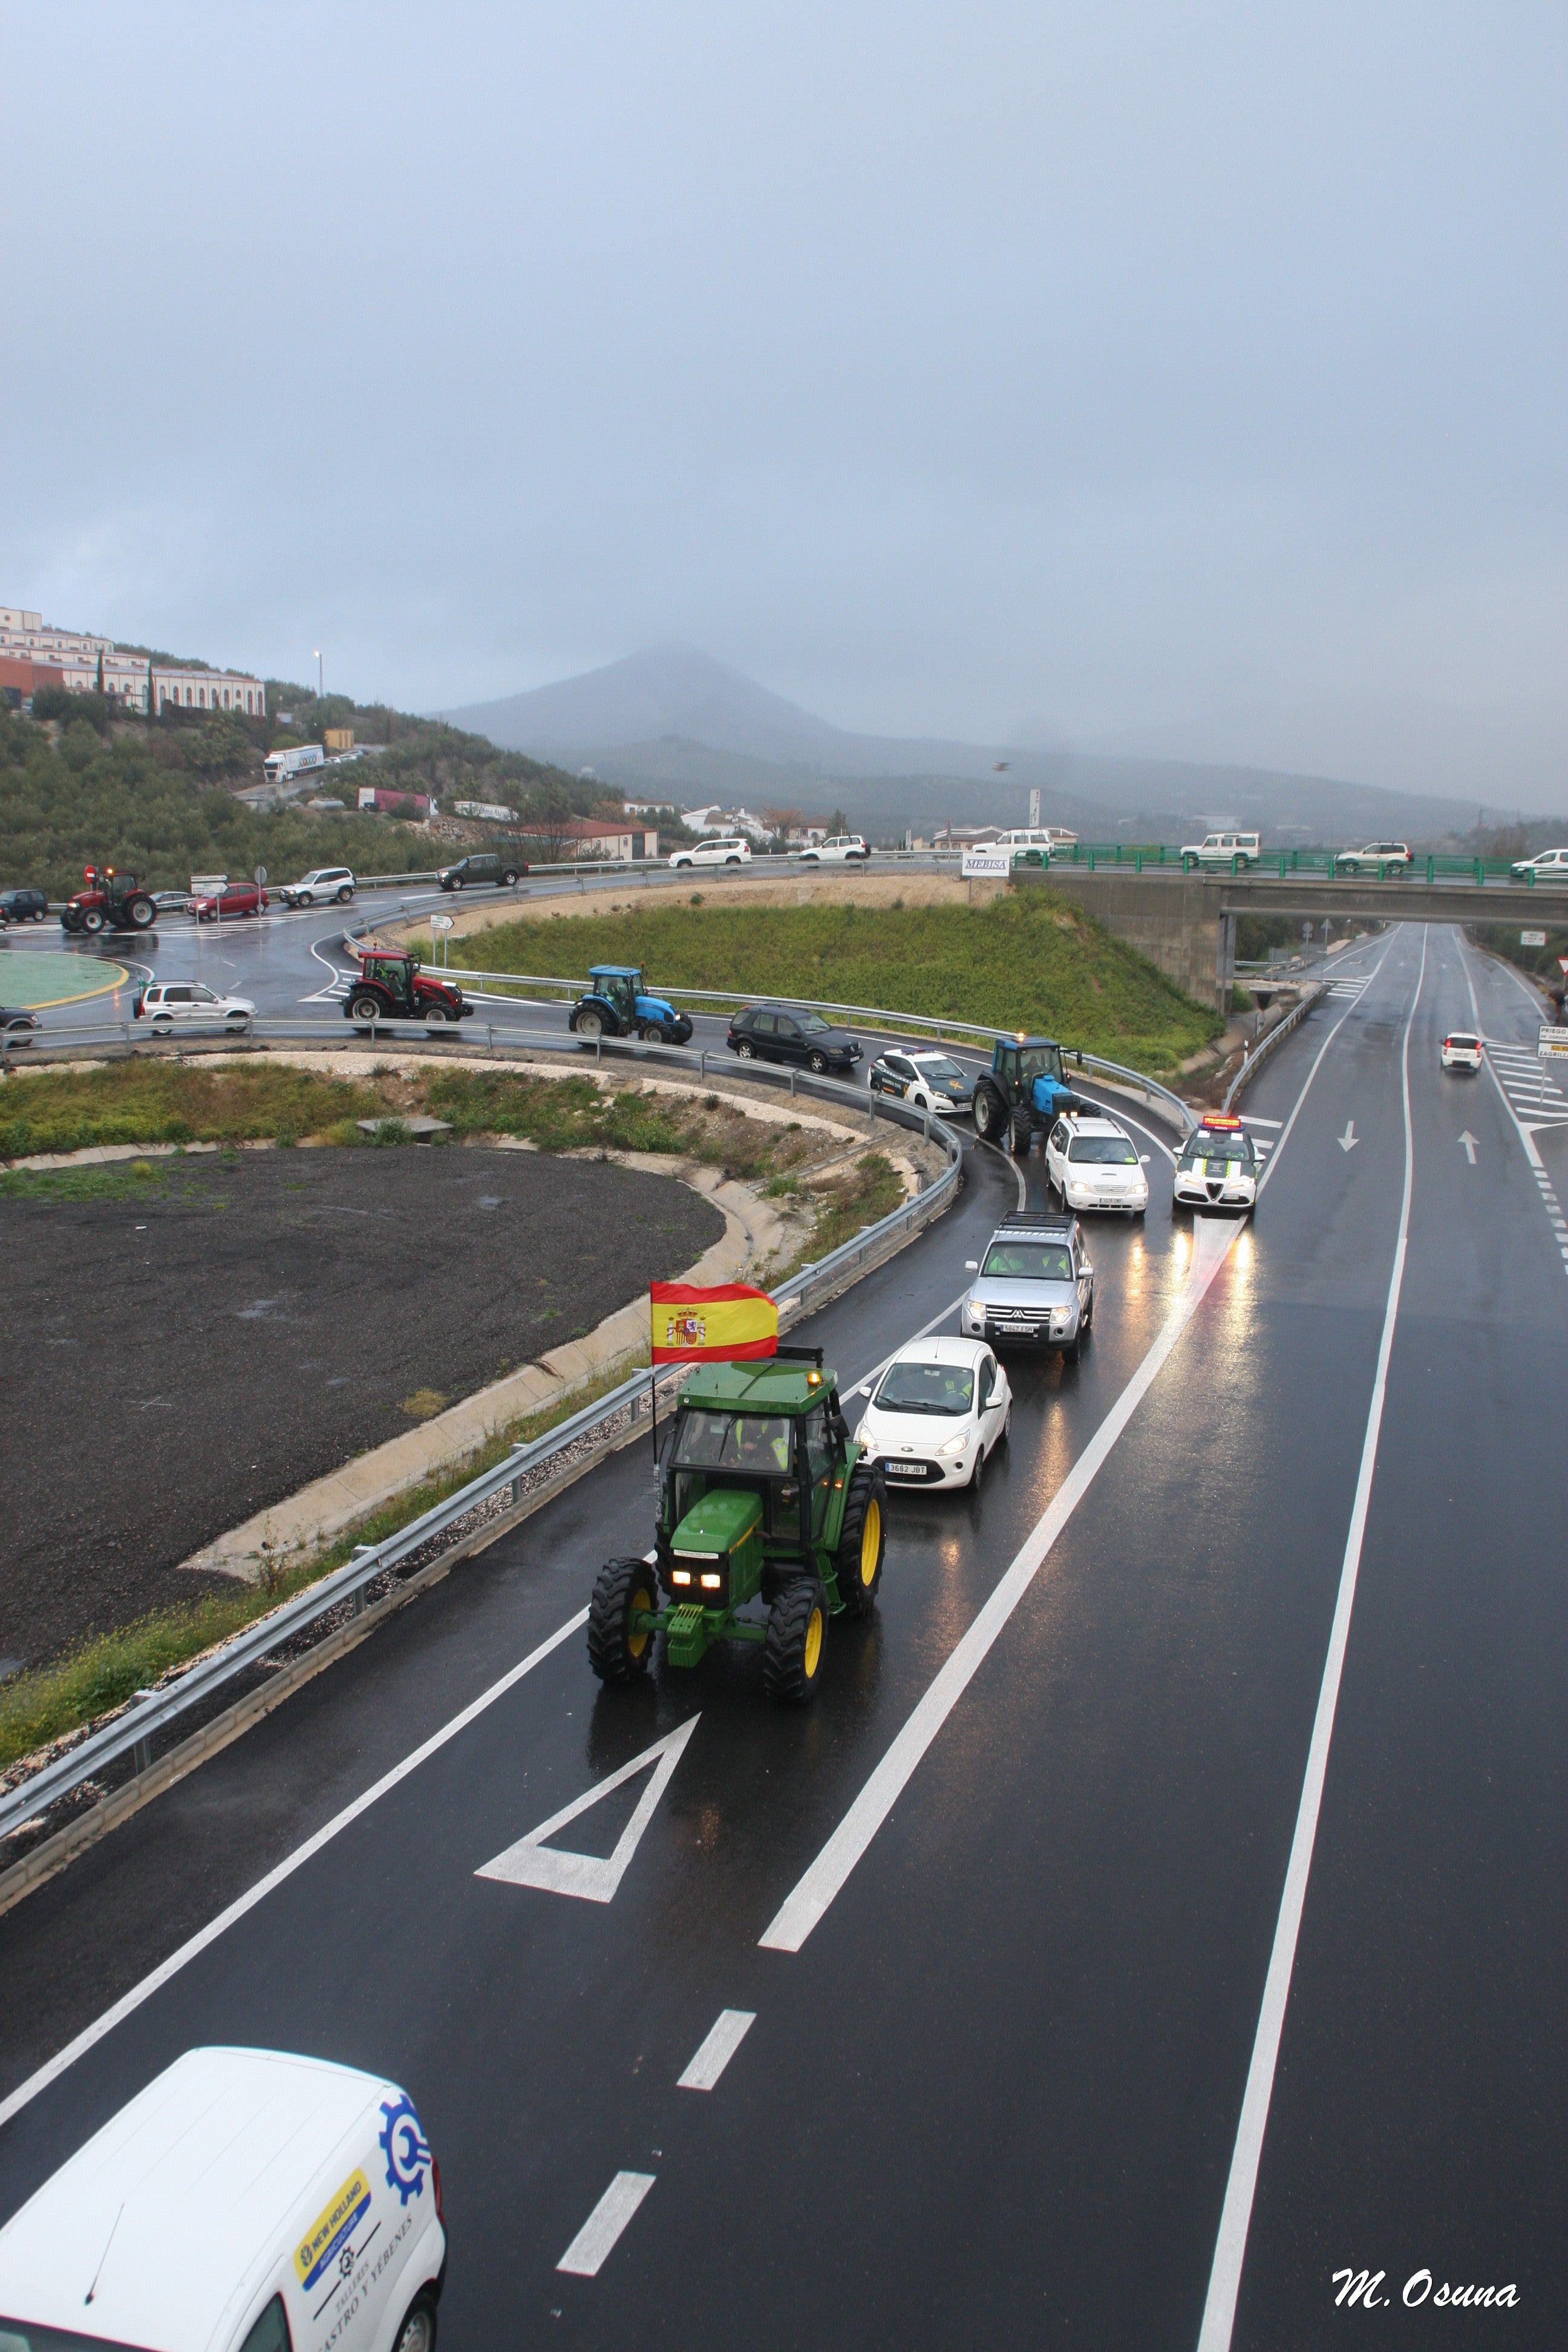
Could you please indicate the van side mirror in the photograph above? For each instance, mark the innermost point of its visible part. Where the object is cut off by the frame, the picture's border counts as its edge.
(1144, 1157)
(972, 1265)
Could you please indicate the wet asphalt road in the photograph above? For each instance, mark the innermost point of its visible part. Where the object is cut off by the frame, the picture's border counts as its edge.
(995, 2095)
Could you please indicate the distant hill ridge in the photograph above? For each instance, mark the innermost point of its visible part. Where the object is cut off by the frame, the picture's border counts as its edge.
(672, 722)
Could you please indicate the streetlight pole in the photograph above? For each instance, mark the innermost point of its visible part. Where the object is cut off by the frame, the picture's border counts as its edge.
(321, 684)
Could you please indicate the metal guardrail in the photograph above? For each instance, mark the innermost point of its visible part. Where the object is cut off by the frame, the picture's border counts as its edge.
(1254, 1062)
(133, 1732)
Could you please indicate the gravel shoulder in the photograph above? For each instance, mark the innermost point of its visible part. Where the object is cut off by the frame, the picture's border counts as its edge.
(186, 1357)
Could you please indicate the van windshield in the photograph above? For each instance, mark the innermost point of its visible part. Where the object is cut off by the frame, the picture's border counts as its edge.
(1103, 1151)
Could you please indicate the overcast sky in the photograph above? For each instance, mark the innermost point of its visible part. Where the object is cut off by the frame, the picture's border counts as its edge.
(1180, 377)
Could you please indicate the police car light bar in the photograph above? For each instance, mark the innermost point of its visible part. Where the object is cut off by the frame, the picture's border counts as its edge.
(1218, 1118)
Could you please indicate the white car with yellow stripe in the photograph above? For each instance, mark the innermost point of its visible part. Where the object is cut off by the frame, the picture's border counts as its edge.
(247, 2200)
(1218, 1167)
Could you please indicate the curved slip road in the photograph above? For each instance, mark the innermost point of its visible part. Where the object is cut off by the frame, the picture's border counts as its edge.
(998, 2092)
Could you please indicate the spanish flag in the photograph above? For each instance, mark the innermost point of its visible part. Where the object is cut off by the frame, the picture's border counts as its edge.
(711, 1327)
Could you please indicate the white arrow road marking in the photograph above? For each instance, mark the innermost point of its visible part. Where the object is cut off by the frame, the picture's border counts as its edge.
(1350, 1138)
(1469, 1142)
(531, 1862)
(723, 2039)
(585, 2256)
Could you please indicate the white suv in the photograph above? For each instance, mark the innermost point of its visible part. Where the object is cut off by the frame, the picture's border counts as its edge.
(1092, 1163)
(1382, 857)
(714, 852)
(1221, 848)
(837, 850)
(333, 882)
(165, 1004)
(1027, 844)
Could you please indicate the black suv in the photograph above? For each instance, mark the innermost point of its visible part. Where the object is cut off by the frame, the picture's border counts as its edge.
(24, 906)
(484, 865)
(783, 1032)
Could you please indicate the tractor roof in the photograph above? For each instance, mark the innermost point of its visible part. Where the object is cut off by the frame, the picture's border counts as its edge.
(764, 1386)
(1018, 1038)
(615, 972)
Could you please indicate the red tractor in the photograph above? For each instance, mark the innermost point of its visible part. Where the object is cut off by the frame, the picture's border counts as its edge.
(391, 987)
(108, 901)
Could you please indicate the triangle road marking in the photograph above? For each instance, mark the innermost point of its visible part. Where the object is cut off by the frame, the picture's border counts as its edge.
(594, 1877)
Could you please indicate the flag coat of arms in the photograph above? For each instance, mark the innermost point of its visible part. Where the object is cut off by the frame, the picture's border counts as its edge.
(722, 1325)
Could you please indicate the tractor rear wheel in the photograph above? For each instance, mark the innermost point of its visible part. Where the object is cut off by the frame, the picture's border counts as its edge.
(143, 914)
(617, 1650)
(797, 1633)
(863, 1544)
(589, 1025)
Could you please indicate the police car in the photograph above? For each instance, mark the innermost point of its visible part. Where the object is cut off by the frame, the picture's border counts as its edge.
(1219, 1168)
(1093, 1163)
(926, 1079)
(246, 2201)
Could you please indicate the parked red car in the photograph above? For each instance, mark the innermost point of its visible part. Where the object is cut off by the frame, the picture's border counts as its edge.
(234, 898)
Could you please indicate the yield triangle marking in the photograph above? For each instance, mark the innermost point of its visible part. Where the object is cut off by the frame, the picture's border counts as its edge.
(531, 1862)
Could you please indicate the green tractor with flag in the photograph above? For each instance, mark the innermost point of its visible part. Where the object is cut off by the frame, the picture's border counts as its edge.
(770, 1520)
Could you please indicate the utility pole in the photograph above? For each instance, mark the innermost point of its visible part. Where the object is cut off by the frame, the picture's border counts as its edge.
(321, 685)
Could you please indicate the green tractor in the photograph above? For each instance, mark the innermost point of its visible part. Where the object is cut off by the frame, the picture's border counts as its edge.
(762, 1497)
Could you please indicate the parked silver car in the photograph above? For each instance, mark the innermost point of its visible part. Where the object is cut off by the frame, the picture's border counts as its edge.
(1034, 1285)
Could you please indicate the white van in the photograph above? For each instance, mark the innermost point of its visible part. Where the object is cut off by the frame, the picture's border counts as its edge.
(1221, 848)
(1027, 844)
(246, 2201)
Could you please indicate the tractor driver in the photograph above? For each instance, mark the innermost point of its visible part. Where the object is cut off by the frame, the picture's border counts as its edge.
(761, 1444)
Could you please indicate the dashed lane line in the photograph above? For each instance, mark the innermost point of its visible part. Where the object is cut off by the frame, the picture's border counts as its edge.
(1236, 2217)
(595, 2241)
(718, 2047)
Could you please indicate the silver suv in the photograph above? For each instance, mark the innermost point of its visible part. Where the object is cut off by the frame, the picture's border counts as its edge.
(1035, 1284)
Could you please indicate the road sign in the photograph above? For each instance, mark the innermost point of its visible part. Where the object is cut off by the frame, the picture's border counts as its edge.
(260, 877)
(1532, 940)
(1563, 963)
(986, 864)
(440, 922)
(1554, 1045)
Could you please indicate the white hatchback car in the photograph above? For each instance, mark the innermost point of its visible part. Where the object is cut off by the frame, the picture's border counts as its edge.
(247, 2200)
(939, 1411)
(839, 849)
(169, 1004)
(714, 852)
(1461, 1050)
(1093, 1163)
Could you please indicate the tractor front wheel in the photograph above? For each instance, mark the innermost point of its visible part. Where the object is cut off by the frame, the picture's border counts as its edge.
(990, 1116)
(1021, 1135)
(863, 1544)
(797, 1633)
(366, 1009)
(92, 920)
(618, 1651)
(651, 1033)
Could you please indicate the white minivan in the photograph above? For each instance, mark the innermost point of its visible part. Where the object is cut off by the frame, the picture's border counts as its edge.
(246, 2201)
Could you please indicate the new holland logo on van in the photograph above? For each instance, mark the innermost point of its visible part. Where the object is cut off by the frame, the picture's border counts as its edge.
(336, 2223)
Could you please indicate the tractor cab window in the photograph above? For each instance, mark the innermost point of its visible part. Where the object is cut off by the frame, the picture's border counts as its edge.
(1041, 1061)
(619, 991)
(821, 1459)
(723, 1441)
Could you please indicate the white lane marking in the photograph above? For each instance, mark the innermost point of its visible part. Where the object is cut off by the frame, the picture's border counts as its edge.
(555, 1869)
(1469, 1142)
(1285, 1138)
(1525, 1129)
(1235, 2218)
(1250, 1119)
(809, 1899)
(723, 2039)
(1350, 1138)
(864, 1388)
(197, 1944)
(594, 2241)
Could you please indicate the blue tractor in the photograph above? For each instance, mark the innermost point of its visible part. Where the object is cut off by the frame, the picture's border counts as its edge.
(619, 1004)
(1022, 1093)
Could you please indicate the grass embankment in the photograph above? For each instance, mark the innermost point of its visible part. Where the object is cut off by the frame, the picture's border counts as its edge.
(1033, 961)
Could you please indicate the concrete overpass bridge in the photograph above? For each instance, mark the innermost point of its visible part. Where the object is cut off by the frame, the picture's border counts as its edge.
(1186, 923)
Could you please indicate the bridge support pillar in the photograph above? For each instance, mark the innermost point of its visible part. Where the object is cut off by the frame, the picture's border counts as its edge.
(1176, 921)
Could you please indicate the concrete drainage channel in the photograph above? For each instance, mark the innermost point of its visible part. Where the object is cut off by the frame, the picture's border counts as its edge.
(299, 1639)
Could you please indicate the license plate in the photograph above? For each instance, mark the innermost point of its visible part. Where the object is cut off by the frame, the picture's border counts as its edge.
(904, 1469)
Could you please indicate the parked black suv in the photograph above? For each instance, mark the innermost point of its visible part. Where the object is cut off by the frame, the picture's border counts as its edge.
(484, 865)
(24, 906)
(783, 1032)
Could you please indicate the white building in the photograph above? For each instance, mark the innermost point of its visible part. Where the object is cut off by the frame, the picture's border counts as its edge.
(88, 665)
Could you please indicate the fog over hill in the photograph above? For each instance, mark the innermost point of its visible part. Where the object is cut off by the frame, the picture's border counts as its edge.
(672, 722)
